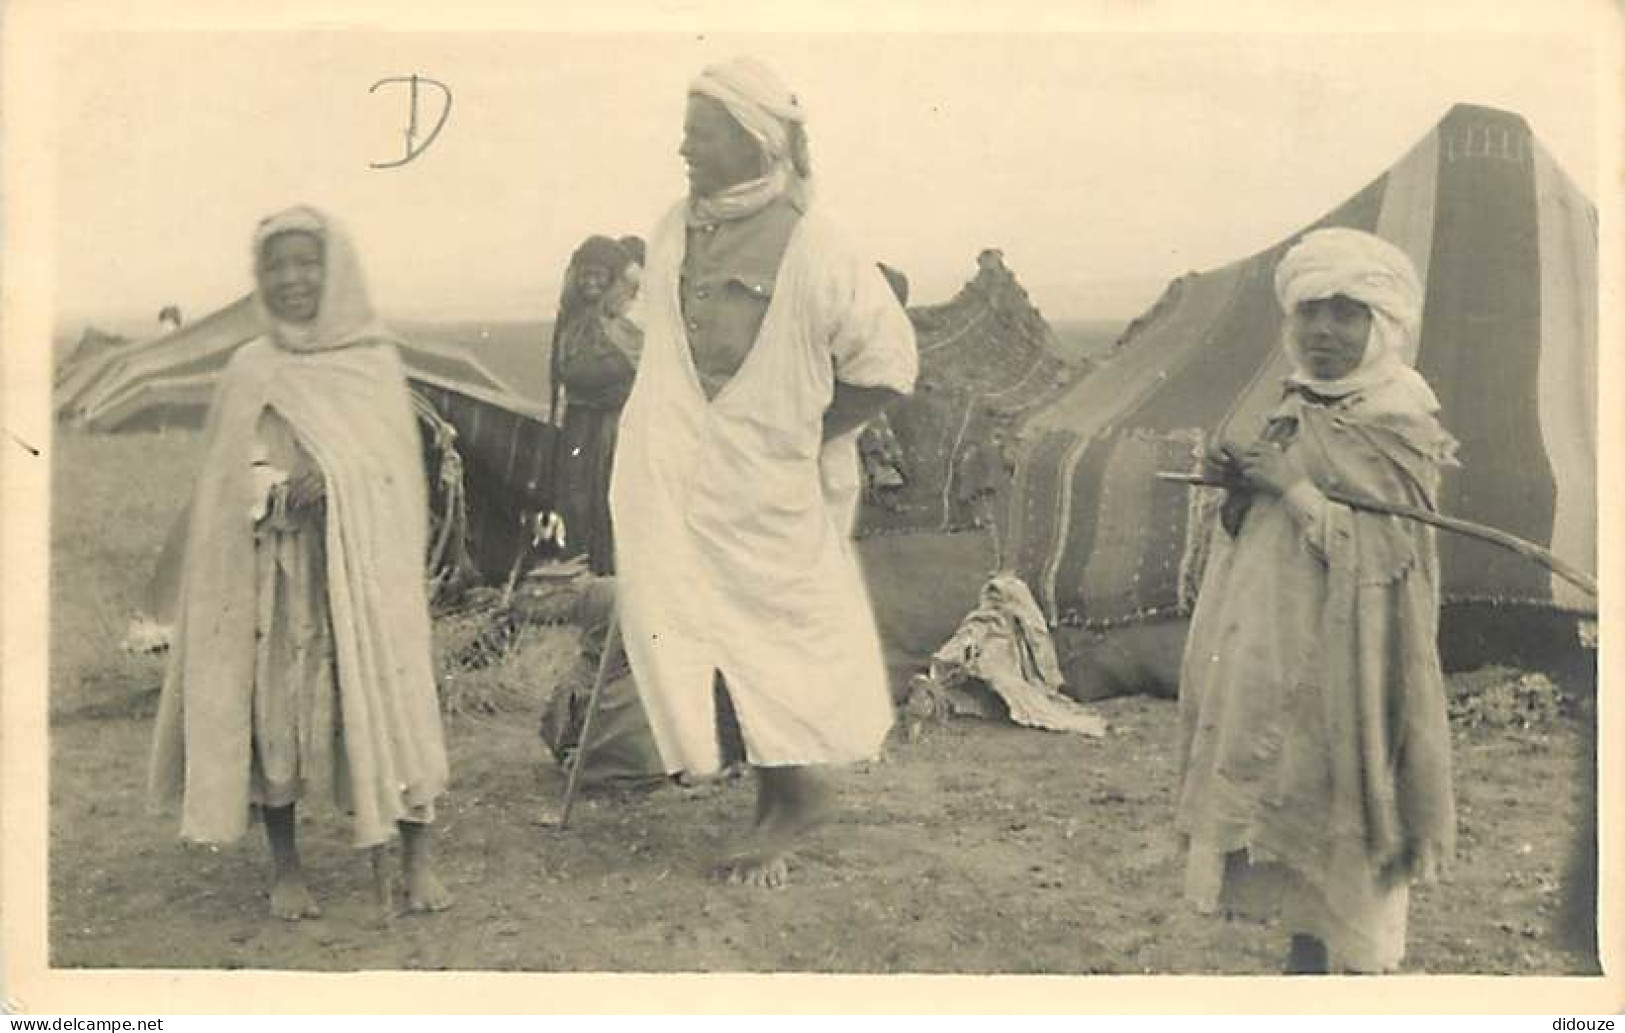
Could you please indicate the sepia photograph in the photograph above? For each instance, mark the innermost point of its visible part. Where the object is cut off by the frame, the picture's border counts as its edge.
(891, 498)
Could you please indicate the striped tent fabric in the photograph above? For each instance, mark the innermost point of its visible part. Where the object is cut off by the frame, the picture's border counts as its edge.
(1506, 247)
(168, 381)
(1132, 541)
(89, 356)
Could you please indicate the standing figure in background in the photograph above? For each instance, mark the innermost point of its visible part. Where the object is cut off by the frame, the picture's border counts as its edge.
(595, 350)
(1315, 746)
(301, 660)
(769, 343)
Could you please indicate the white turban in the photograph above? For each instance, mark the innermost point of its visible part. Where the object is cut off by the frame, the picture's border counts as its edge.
(1370, 270)
(757, 99)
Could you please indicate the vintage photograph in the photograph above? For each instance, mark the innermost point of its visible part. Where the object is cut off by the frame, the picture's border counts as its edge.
(862, 502)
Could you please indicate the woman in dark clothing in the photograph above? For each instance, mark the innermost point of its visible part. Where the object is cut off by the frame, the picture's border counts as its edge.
(594, 358)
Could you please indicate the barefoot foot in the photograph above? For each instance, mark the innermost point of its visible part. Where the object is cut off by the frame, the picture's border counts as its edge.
(790, 803)
(291, 899)
(425, 892)
(758, 871)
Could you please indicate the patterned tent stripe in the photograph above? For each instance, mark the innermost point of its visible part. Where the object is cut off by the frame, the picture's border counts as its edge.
(1077, 521)
(1037, 365)
(1480, 352)
(1038, 495)
(1408, 204)
(1198, 393)
(959, 334)
(1568, 368)
(1012, 508)
(1126, 534)
(1122, 497)
(1026, 497)
(952, 464)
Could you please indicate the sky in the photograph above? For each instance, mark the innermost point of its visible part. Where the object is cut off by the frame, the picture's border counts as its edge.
(1102, 164)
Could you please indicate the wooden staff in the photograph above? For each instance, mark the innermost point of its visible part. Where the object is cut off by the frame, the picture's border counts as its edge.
(1528, 550)
(612, 639)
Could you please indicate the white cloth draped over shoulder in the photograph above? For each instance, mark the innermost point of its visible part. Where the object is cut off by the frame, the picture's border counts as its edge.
(734, 517)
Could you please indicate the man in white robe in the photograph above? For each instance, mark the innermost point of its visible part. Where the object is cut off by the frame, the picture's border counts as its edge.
(769, 344)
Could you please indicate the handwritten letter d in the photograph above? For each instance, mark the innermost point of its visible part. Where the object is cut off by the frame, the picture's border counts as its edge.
(413, 147)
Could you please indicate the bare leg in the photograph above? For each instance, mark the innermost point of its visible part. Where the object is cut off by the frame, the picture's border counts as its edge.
(1307, 957)
(290, 897)
(424, 891)
(383, 884)
(790, 802)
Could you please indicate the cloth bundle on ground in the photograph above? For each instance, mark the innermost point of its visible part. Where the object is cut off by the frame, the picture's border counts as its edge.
(622, 748)
(1002, 659)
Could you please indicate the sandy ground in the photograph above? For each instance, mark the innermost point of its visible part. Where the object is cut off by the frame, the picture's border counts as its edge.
(980, 848)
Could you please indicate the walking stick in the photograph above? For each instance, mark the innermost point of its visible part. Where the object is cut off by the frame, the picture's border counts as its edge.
(1526, 549)
(612, 638)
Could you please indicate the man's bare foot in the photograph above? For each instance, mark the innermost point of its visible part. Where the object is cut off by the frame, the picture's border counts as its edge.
(424, 890)
(291, 899)
(760, 871)
(790, 802)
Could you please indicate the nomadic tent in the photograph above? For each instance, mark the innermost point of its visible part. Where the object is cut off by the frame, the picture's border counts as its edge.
(168, 381)
(86, 360)
(986, 358)
(1507, 248)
